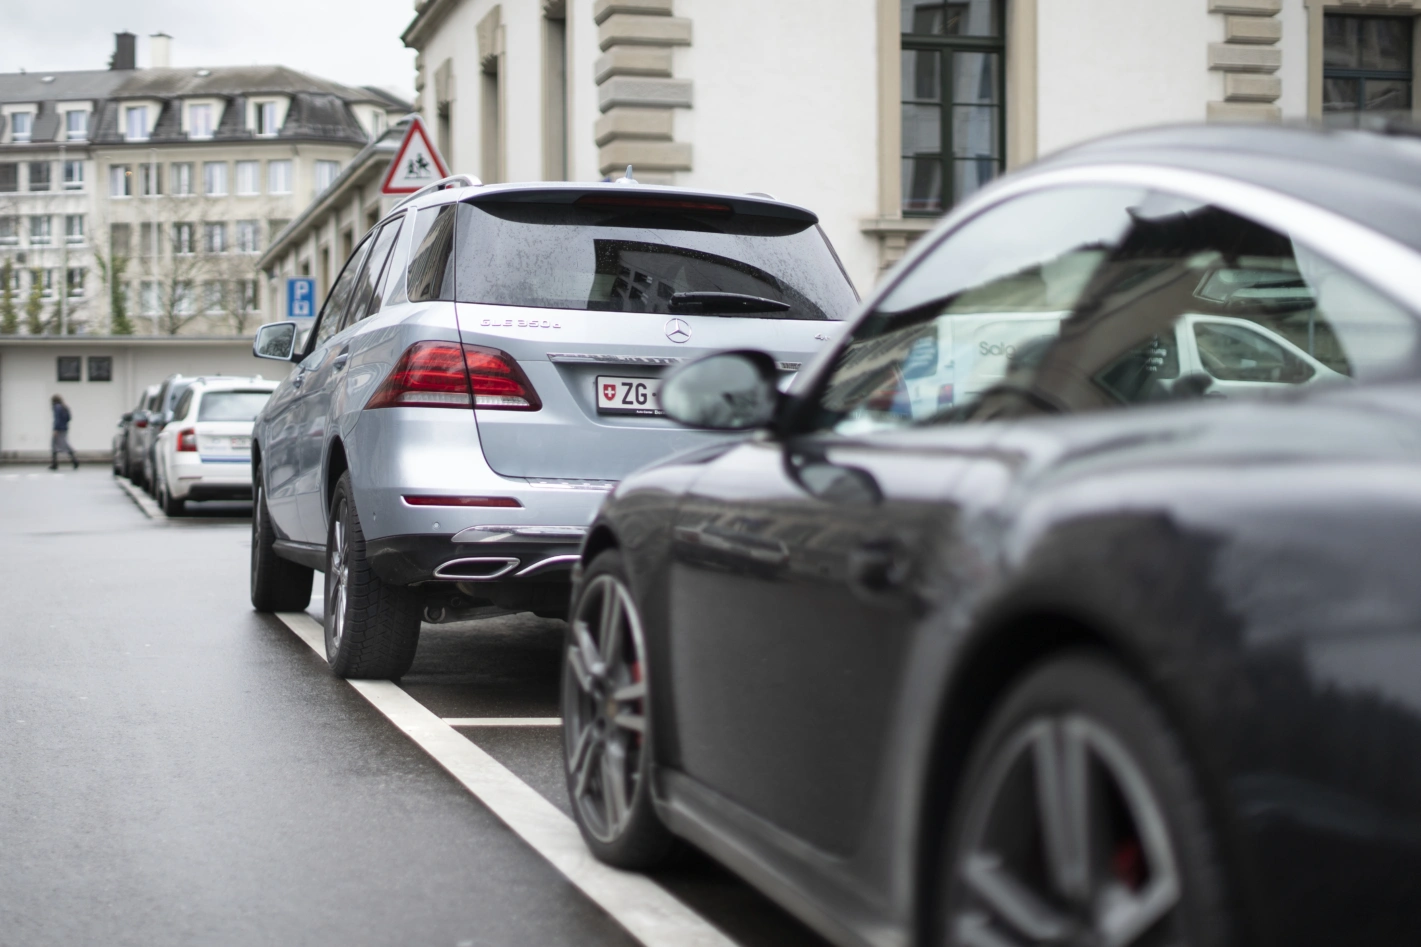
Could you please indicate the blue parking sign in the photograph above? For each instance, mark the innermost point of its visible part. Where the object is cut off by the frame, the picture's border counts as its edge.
(300, 297)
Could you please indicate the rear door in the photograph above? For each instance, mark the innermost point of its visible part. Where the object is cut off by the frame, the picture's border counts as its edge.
(328, 373)
(594, 293)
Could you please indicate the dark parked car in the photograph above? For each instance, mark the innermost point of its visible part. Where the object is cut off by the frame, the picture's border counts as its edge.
(1008, 626)
(128, 440)
(159, 415)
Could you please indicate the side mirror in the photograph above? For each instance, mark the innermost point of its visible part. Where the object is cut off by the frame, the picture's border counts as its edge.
(275, 340)
(127, 416)
(728, 391)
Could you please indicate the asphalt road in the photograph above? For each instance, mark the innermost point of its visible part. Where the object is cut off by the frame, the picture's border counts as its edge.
(178, 769)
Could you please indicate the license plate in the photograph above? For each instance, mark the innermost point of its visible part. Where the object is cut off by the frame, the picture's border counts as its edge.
(241, 443)
(628, 395)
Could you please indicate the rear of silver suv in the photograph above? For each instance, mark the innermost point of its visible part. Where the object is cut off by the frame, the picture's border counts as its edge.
(484, 370)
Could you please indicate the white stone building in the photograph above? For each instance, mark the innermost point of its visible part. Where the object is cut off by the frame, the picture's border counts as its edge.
(839, 104)
(174, 179)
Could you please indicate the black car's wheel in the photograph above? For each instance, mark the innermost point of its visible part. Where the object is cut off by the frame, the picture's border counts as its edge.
(606, 736)
(171, 506)
(278, 585)
(372, 627)
(1080, 823)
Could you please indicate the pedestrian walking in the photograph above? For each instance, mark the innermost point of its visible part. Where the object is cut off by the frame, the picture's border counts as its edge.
(59, 440)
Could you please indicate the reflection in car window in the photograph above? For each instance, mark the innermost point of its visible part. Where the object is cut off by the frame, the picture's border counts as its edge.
(339, 298)
(364, 298)
(1239, 352)
(1079, 299)
(184, 403)
(642, 259)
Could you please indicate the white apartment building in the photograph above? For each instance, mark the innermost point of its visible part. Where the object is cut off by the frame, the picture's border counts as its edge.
(878, 114)
(139, 200)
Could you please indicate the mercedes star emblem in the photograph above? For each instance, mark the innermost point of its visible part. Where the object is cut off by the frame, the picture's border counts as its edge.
(677, 330)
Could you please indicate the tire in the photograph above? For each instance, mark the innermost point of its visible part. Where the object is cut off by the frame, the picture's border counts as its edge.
(606, 726)
(170, 505)
(372, 627)
(1014, 873)
(277, 585)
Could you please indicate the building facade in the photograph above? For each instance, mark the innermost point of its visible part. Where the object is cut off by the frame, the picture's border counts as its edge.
(139, 200)
(878, 114)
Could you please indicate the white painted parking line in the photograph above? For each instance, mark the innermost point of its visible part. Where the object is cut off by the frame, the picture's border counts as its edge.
(647, 910)
(503, 721)
(144, 501)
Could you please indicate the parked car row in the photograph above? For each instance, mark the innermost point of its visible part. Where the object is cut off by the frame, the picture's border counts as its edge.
(1060, 594)
(189, 438)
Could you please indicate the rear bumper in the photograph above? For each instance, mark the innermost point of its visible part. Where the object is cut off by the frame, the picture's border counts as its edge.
(209, 479)
(414, 559)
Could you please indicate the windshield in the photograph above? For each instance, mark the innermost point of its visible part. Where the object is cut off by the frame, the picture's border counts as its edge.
(231, 405)
(630, 260)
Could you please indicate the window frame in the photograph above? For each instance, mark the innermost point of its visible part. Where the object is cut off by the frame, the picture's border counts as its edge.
(945, 46)
(1363, 75)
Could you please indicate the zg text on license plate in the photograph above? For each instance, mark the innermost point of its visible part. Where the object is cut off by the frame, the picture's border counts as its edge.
(628, 395)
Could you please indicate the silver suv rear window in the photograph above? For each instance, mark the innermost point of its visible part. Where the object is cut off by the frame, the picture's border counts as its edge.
(632, 254)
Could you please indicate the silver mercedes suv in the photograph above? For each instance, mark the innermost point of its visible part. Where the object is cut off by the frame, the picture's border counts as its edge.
(484, 370)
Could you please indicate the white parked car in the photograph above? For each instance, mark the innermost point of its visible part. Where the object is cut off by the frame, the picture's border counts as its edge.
(205, 452)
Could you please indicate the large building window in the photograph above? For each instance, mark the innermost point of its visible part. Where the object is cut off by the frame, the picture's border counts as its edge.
(953, 90)
(1367, 70)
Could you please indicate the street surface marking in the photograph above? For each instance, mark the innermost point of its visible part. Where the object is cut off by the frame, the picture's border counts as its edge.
(644, 908)
(503, 721)
(144, 501)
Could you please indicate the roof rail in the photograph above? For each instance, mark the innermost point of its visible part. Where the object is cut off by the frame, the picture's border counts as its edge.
(454, 180)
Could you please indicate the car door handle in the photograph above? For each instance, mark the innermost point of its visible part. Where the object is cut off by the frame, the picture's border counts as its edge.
(339, 361)
(879, 566)
(297, 381)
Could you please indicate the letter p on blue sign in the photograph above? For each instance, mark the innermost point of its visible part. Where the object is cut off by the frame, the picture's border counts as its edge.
(300, 297)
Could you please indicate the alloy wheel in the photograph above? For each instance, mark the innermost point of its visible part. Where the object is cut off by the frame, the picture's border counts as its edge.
(1064, 843)
(605, 704)
(337, 579)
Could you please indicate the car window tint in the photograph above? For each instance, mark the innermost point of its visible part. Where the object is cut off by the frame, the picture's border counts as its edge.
(648, 259)
(1079, 299)
(365, 299)
(393, 291)
(184, 403)
(431, 272)
(231, 405)
(333, 312)
(1239, 352)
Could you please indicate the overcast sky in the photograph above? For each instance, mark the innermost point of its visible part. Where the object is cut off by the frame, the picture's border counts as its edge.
(352, 41)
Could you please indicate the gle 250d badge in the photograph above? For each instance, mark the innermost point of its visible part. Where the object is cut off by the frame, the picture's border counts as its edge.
(678, 330)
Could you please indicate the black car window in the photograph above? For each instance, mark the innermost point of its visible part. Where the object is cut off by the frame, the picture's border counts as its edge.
(365, 299)
(184, 403)
(431, 272)
(645, 255)
(1083, 298)
(333, 312)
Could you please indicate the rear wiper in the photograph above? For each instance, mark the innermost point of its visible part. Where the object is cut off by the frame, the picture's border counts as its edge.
(725, 302)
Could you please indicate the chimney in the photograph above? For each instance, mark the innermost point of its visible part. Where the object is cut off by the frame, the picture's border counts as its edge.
(160, 50)
(123, 51)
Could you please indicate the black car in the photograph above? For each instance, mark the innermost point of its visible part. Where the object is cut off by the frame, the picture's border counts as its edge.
(1072, 598)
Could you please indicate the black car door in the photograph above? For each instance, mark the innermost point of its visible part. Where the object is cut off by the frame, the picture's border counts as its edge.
(804, 564)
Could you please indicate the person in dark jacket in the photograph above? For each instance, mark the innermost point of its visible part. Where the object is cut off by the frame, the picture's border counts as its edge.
(59, 441)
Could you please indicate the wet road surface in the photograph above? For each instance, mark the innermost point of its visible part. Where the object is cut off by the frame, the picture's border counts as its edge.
(178, 769)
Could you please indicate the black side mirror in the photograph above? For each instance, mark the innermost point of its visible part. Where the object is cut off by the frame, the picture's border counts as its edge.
(728, 391)
(127, 416)
(275, 340)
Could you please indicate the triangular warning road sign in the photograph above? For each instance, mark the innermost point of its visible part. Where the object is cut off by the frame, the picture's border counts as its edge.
(416, 164)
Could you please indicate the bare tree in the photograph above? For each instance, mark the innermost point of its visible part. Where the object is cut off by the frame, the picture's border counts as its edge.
(112, 270)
